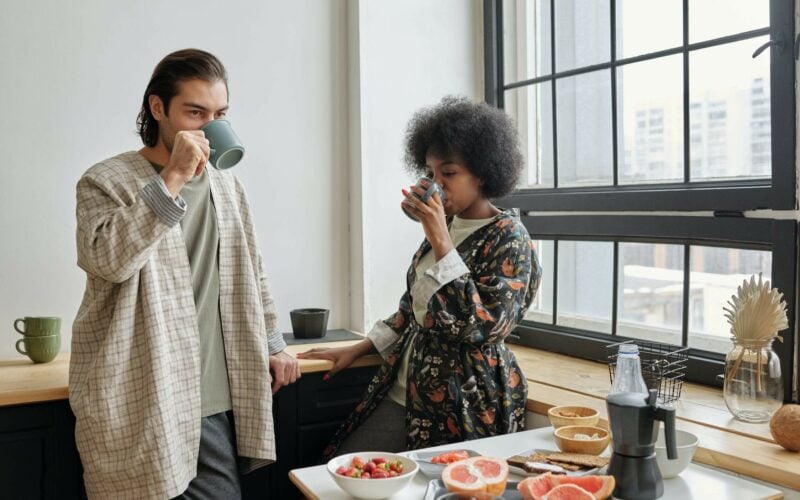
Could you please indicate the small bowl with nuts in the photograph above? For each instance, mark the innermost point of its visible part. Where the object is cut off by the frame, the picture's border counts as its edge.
(561, 416)
(582, 439)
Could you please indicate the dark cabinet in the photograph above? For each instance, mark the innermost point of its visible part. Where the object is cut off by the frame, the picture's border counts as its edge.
(38, 458)
(306, 416)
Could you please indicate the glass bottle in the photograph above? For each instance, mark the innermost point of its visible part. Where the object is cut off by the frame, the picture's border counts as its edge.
(628, 371)
(753, 386)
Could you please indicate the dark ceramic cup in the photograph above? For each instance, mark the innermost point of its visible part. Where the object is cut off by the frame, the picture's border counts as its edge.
(309, 323)
(432, 188)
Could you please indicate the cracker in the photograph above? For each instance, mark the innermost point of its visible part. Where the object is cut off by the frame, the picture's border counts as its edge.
(535, 463)
(566, 466)
(578, 459)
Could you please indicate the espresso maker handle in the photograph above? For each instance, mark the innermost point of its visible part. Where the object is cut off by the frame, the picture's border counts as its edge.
(667, 415)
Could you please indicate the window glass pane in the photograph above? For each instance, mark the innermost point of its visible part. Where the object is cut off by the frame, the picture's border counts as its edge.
(645, 26)
(583, 33)
(709, 19)
(729, 112)
(532, 109)
(527, 47)
(585, 284)
(650, 121)
(650, 302)
(542, 308)
(715, 275)
(583, 111)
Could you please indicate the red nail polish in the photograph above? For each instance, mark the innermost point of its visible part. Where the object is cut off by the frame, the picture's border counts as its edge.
(405, 193)
(326, 376)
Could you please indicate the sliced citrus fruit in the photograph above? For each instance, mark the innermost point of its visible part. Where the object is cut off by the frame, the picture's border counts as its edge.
(600, 487)
(568, 492)
(539, 487)
(535, 488)
(475, 475)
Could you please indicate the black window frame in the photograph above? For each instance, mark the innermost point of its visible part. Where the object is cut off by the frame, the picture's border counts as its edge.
(777, 193)
(777, 236)
(727, 200)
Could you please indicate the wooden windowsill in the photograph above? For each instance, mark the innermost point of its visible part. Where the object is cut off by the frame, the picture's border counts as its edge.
(747, 449)
(553, 380)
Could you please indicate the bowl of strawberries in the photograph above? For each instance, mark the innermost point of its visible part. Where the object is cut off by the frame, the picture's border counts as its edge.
(372, 474)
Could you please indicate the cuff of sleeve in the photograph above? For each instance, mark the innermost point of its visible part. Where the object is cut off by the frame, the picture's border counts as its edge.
(448, 268)
(156, 195)
(275, 343)
(383, 338)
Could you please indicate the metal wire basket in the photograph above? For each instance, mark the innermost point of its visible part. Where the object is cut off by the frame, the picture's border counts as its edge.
(663, 366)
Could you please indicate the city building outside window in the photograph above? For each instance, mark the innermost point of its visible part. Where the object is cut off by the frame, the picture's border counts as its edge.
(660, 165)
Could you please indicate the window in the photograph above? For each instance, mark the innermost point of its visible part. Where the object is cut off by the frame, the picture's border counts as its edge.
(650, 128)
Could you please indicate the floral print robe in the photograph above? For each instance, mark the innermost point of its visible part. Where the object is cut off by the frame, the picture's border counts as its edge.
(463, 382)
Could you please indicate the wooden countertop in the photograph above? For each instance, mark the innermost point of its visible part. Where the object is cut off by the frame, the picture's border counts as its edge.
(747, 449)
(23, 381)
(553, 380)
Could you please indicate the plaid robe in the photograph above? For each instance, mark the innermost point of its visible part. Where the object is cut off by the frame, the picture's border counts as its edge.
(134, 377)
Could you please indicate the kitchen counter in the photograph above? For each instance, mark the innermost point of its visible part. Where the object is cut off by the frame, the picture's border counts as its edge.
(23, 381)
(695, 483)
(553, 380)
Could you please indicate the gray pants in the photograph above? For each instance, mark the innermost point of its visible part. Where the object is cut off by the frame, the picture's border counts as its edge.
(217, 470)
(384, 430)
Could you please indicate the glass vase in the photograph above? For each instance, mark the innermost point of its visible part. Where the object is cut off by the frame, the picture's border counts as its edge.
(753, 387)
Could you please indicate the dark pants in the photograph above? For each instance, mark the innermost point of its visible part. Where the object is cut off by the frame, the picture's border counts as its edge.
(384, 430)
(217, 469)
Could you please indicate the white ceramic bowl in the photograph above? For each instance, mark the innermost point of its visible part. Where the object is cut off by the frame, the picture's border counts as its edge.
(686, 443)
(372, 488)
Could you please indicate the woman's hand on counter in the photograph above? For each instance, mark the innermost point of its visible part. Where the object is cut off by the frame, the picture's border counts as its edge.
(341, 357)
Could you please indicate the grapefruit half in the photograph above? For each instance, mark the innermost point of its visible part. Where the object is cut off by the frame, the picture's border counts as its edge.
(539, 487)
(475, 475)
(568, 492)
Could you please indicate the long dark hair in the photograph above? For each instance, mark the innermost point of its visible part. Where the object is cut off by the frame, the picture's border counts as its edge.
(182, 65)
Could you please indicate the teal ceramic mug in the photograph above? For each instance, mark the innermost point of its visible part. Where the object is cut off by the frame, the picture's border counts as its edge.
(40, 349)
(226, 148)
(38, 326)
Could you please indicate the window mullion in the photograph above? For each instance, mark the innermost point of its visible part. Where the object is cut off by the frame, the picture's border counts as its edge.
(685, 316)
(553, 93)
(613, 69)
(615, 290)
(555, 281)
(686, 118)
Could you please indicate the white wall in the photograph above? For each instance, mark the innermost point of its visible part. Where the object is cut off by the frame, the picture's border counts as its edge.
(408, 54)
(71, 82)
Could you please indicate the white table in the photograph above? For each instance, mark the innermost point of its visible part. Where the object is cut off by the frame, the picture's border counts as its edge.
(695, 483)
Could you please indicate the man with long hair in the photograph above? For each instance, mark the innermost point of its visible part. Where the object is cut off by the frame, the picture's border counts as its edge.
(175, 347)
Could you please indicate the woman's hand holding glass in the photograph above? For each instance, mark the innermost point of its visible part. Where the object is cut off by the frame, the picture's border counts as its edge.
(432, 217)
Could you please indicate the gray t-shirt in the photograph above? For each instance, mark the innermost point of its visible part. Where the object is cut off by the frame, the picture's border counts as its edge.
(201, 235)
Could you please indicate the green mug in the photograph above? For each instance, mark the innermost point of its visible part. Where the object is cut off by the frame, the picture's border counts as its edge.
(40, 349)
(226, 148)
(35, 326)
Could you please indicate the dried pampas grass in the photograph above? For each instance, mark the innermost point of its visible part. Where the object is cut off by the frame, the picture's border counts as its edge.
(756, 313)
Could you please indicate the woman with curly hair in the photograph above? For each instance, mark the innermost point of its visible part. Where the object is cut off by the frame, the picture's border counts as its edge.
(447, 374)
